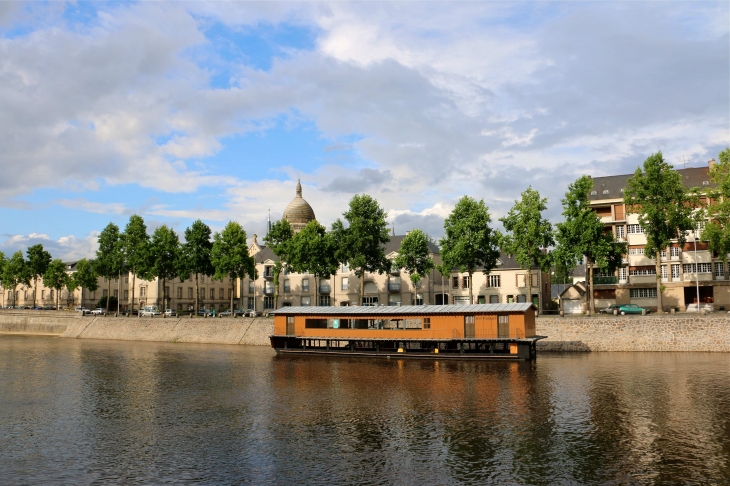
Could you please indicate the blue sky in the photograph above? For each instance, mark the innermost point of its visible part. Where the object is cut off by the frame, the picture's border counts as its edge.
(187, 110)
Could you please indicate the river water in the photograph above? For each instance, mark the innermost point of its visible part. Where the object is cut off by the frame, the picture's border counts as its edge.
(81, 411)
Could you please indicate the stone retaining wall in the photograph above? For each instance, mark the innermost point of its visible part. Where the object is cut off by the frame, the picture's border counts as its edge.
(675, 333)
(18, 323)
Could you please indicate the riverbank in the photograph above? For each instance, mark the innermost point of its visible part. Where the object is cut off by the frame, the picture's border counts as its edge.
(709, 333)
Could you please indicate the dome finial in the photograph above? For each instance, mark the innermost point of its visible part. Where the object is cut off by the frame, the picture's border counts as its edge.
(299, 188)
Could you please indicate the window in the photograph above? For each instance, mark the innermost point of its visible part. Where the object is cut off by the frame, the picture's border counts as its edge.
(345, 283)
(43, 294)
(594, 193)
(675, 271)
(103, 292)
(324, 300)
(622, 274)
(634, 229)
(697, 268)
(468, 319)
(620, 231)
(212, 294)
(664, 272)
(249, 302)
(494, 299)
(719, 269)
(190, 292)
(345, 268)
(179, 292)
(663, 254)
(116, 294)
(605, 191)
(503, 319)
(142, 291)
(116, 280)
(268, 271)
(126, 294)
(305, 285)
(306, 301)
(126, 279)
(465, 281)
(418, 300)
(221, 294)
(642, 271)
(636, 251)
(493, 281)
(287, 286)
(230, 294)
(268, 302)
(674, 251)
(268, 288)
(455, 282)
(427, 323)
(251, 287)
(521, 298)
(51, 293)
(643, 293)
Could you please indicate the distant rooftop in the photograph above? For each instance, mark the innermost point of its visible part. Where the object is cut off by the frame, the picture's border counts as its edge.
(611, 187)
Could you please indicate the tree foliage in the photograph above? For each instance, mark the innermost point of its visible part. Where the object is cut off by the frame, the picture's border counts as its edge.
(360, 244)
(16, 273)
(313, 250)
(528, 234)
(136, 250)
(655, 192)
(581, 235)
(469, 243)
(717, 231)
(164, 256)
(37, 264)
(110, 259)
(414, 255)
(85, 276)
(229, 256)
(195, 255)
(278, 239)
(56, 277)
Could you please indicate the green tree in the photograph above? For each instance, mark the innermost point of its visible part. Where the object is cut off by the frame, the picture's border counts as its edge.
(360, 244)
(717, 231)
(105, 302)
(528, 235)
(136, 250)
(164, 257)
(16, 273)
(56, 277)
(414, 255)
(655, 192)
(110, 258)
(230, 258)
(195, 255)
(313, 250)
(279, 239)
(468, 243)
(581, 235)
(85, 277)
(37, 263)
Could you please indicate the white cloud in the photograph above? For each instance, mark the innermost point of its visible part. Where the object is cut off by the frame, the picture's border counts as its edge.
(68, 248)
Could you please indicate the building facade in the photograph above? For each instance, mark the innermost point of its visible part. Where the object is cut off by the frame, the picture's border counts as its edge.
(686, 270)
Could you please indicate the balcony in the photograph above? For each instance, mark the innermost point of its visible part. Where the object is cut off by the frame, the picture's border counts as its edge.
(394, 287)
(268, 275)
(324, 289)
(605, 280)
(692, 277)
(268, 290)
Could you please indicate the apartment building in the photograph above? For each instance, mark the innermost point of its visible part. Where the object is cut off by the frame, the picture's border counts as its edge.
(684, 269)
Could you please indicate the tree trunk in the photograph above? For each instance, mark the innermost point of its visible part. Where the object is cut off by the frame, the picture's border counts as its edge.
(35, 289)
(164, 296)
(233, 291)
(659, 309)
(471, 289)
(134, 278)
(58, 291)
(197, 295)
(590, 283)
(362, 285)
(528, 282)
(316, 290)
(108, 294)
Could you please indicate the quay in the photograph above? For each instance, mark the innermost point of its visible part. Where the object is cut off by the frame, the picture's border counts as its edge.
(478, 331)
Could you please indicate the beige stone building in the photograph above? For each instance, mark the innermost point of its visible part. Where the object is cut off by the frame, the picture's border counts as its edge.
(685, 270)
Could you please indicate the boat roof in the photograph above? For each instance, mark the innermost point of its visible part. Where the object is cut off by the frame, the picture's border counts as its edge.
(411, 310)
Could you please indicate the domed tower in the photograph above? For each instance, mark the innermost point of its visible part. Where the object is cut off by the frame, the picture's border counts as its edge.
(298, 212)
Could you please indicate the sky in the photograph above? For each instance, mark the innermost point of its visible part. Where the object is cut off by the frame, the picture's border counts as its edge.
(179, 111)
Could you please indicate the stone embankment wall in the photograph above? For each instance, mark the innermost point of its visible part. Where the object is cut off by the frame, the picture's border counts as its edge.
(36, 322)
(670, 333)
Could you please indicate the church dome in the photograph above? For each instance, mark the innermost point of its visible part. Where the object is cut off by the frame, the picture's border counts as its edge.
(298, 212)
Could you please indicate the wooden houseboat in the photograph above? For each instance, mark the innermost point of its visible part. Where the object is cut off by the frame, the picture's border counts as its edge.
(484, 331)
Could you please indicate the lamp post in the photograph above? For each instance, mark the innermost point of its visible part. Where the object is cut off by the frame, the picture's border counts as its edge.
(697, 275)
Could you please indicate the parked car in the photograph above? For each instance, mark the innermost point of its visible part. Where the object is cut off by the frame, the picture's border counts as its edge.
(98, 311)
(236, 312)
(631, 309)
(170, 312)
(610, 309)
(204, 312)
(150, 310)
(253, 313)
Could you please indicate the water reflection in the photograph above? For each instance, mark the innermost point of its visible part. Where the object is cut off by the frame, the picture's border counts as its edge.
(85, 411)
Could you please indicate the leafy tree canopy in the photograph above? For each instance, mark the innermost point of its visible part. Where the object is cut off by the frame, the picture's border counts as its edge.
(528, 233)
(109, 261)
(165, 253)
(229, 253)
(56, 276)
(414, 255)
(195, 252)
(468, 243)
(136, 247)
(84, 277)
(717, 231)
(313, 250)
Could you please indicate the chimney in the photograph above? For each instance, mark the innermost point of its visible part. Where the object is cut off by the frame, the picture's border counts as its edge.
(711, 164)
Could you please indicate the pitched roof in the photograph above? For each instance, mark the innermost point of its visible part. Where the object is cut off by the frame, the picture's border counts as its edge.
(407, 310)
(609, 187)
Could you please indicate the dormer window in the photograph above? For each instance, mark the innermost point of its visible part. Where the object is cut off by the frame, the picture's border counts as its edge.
(705, 183)
(622, 190)
(605, 191)
(594, 193)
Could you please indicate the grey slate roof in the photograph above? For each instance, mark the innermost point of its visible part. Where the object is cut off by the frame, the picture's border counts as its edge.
(691, 177)
(410, 310)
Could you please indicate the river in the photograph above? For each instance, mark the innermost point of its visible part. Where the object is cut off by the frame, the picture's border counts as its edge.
(83, 411)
